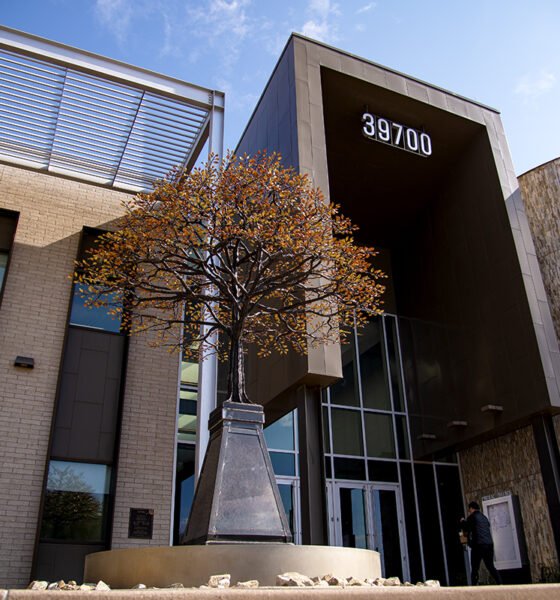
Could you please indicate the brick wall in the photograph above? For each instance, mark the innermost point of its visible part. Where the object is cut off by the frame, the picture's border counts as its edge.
(33, 317)
(147, 448)
(510, 464)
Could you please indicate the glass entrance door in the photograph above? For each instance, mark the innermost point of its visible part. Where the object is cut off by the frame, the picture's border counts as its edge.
(370, 516)
(351, 523)
(388, 529)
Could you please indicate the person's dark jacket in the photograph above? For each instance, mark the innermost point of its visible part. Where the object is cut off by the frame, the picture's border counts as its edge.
(478, 528)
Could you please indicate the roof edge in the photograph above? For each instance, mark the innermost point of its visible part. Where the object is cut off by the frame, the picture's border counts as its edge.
(390, 70)
(97, 64)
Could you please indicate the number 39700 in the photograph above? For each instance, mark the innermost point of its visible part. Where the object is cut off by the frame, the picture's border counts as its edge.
(395, 134)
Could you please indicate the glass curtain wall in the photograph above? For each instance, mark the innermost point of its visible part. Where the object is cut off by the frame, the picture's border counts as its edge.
(379, 498)
(186, 439)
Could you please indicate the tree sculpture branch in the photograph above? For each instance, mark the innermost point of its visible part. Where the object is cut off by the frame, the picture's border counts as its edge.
(243, 247)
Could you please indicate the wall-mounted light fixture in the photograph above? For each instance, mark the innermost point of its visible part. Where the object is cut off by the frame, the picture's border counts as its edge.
(496, 408)
(457, 424)
(25, 362)
(427, 436)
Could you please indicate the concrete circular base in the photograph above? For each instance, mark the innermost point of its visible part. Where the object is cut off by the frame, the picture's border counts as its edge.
(193, 565)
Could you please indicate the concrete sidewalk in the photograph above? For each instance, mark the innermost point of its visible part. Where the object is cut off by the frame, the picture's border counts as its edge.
(504, 592)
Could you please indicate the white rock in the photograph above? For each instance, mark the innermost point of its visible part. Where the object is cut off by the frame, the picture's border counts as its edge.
(139, 586)
(392, 581)
(354, 581)
(294, 579)
(53, 586)
(101, 586)
(219, 581)
(321, 583)
(38, 585)
(176, 586)
(86, 587)
(335, 580)
(251, 583)
(432, 583)
(408, 584)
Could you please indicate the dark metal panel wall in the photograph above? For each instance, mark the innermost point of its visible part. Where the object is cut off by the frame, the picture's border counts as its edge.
(86, 419)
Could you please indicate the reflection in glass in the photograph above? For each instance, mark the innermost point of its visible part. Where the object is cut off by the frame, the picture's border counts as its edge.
(451, 504)
(430, 521)
(347, 432)
(344, 392)
(413, 534)
(97, 317)
(349, 468)
(328, 467)
(280, 434)
(402, 437)
(76, 502)
(288, 502)
(184, 489)
(283, 463)
(3, 267)
(326, 436)
(379, 435)
(189, 372)
(394, 364)
(186, 431)
(353, 518)
(386, 528)
(383, 470)
(372, 367)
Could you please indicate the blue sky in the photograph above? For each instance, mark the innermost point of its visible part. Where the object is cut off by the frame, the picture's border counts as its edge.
(505, 54)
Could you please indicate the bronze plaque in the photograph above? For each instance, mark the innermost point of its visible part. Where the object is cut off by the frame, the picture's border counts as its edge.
(141, 523)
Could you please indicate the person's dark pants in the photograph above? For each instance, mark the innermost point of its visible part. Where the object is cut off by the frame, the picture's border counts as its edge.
(483, 552)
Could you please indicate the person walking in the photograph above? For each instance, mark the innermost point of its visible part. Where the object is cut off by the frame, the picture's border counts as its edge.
(477, 528)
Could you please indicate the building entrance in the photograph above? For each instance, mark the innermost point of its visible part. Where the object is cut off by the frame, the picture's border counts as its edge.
(370, 516)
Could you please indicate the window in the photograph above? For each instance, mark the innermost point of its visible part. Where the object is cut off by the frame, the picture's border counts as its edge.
(184, 490)
(347, 432)
(187, 416)
(95, 317)
(380, 440)
(8, 222)
(76, 502)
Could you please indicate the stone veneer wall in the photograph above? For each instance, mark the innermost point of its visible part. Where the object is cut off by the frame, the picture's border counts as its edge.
(510, 464)
(540, 190)
(33, 317)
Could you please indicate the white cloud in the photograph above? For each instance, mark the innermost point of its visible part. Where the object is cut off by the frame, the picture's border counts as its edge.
(224, 24)
(321, 25)
(534, 85)
(235, 99)
(115, 15)
(318, 30)
(366, 7)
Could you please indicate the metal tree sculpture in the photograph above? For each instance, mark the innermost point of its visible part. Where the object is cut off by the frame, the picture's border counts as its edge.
(242, 251)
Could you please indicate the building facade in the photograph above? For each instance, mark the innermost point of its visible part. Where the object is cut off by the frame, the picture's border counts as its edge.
(449, 396)
(90, 430)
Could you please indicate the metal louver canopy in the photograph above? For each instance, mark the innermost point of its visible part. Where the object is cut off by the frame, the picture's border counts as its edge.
(85, 116)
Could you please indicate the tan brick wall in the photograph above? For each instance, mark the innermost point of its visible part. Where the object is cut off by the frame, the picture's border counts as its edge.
(33, 317)
(510, 464)
(147, 448)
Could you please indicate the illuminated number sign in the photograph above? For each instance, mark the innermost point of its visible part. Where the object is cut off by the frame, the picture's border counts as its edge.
(395, 134)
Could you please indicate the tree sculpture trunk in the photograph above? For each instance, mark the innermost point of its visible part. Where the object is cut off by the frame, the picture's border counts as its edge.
(236, 373)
